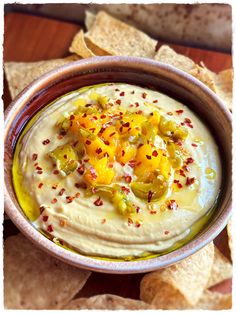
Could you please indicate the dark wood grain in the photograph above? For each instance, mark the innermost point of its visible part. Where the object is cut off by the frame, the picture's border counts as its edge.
(30, 38)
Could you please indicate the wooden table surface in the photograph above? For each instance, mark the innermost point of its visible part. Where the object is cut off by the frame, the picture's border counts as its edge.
(30, 38)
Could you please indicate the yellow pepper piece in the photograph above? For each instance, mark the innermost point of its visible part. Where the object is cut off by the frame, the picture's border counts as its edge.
(125, 152)
(99, 173)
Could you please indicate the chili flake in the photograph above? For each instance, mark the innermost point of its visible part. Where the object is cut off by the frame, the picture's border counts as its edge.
(98, 150)
(128, 178)
(50, 228)
(98, 202)
(41, 209)
(103, 221)
(189, 160)
(45, 218)
(150, 195)
(87, 142)
(155, 101)
(138, 209)
(77, 195)
(194, 145)
(166, 232)
(81, 169)
(56, 171)
(54, 200)
(125, 189)
(40, 185)
(180, 111)
(45, 142)
(81, 185)
(69, 199)
(155, 153)
(172, 205)
(61, 192)
(152, 212)
(190, 181)
(148, 157)
(122, 94)
(118, 101)
(144, 95)
(34, 157)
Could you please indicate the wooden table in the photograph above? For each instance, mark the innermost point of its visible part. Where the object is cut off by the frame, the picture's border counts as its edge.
(30, 38)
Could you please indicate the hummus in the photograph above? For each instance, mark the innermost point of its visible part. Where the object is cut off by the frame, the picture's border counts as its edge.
(116, 170)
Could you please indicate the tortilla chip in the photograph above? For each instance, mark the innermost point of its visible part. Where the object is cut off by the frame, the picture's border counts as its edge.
(35, 280)
(204, 75)
(224, 86)
(107, 302)
(117, 38)
(167, 55)
(21, 74)
(180, 285)
(89, 19)
(214, 301)
(230, 237)
(79, 46)
(221, 269)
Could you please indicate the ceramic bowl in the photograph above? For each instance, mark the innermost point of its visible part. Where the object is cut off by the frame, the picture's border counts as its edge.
(139, 71)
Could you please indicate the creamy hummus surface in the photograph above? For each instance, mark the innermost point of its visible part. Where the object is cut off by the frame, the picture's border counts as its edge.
(116, 170)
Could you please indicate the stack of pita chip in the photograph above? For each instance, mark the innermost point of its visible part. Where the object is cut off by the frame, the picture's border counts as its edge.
(34, 280)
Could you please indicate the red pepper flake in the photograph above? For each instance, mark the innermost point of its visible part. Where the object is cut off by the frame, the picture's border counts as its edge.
(98, 202)
(186, 168)
(45, 218)
(153, 212)
(118, 101)
(132, 92)
(103, 116)
(139, 163)
(132, 163)
(40, 185)
(155, 101)
(122, 94)
(50, 228)
(166, 232)
(81, 185)
(106, 154)
(36, 164)
(110, 165)
(41, 209)
(126, 125)
(137, 224)
(77, 195)
(130, 221)
(112, 134)
(190, 181)
(171, 204)
(95, 118)
(148, 157)
(81, 169)
(93, 173)
(56, 171)
(155, 153)
(117, 90)
(99, 150)
(136, 104)
(106, 142)
(139, 112)
(180, 111)
(138, 209)
(34, 157)
(181, 172)
(103, 221)
(38, 168)
(86, 160)
(102, 130)
(69, 199)
(189, 160)
(144, 95)
(125, 189)
(87, 142)
(128, 178)
(54, 186)
(131, 105)
(182, 123)
(150, 195)
(194, 145)
(39, 171)
(53, 201)
(72, 117)
(187, 120)
(179, 185)
(92, 129)
(45, 142)
(121, 129)
(170, 113)
(61, 192)
(122, 153)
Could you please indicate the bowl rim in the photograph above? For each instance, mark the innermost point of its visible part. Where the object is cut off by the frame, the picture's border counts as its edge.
(86, 262)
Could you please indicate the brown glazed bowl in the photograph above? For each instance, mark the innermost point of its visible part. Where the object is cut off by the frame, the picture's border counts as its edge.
(139, 71)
